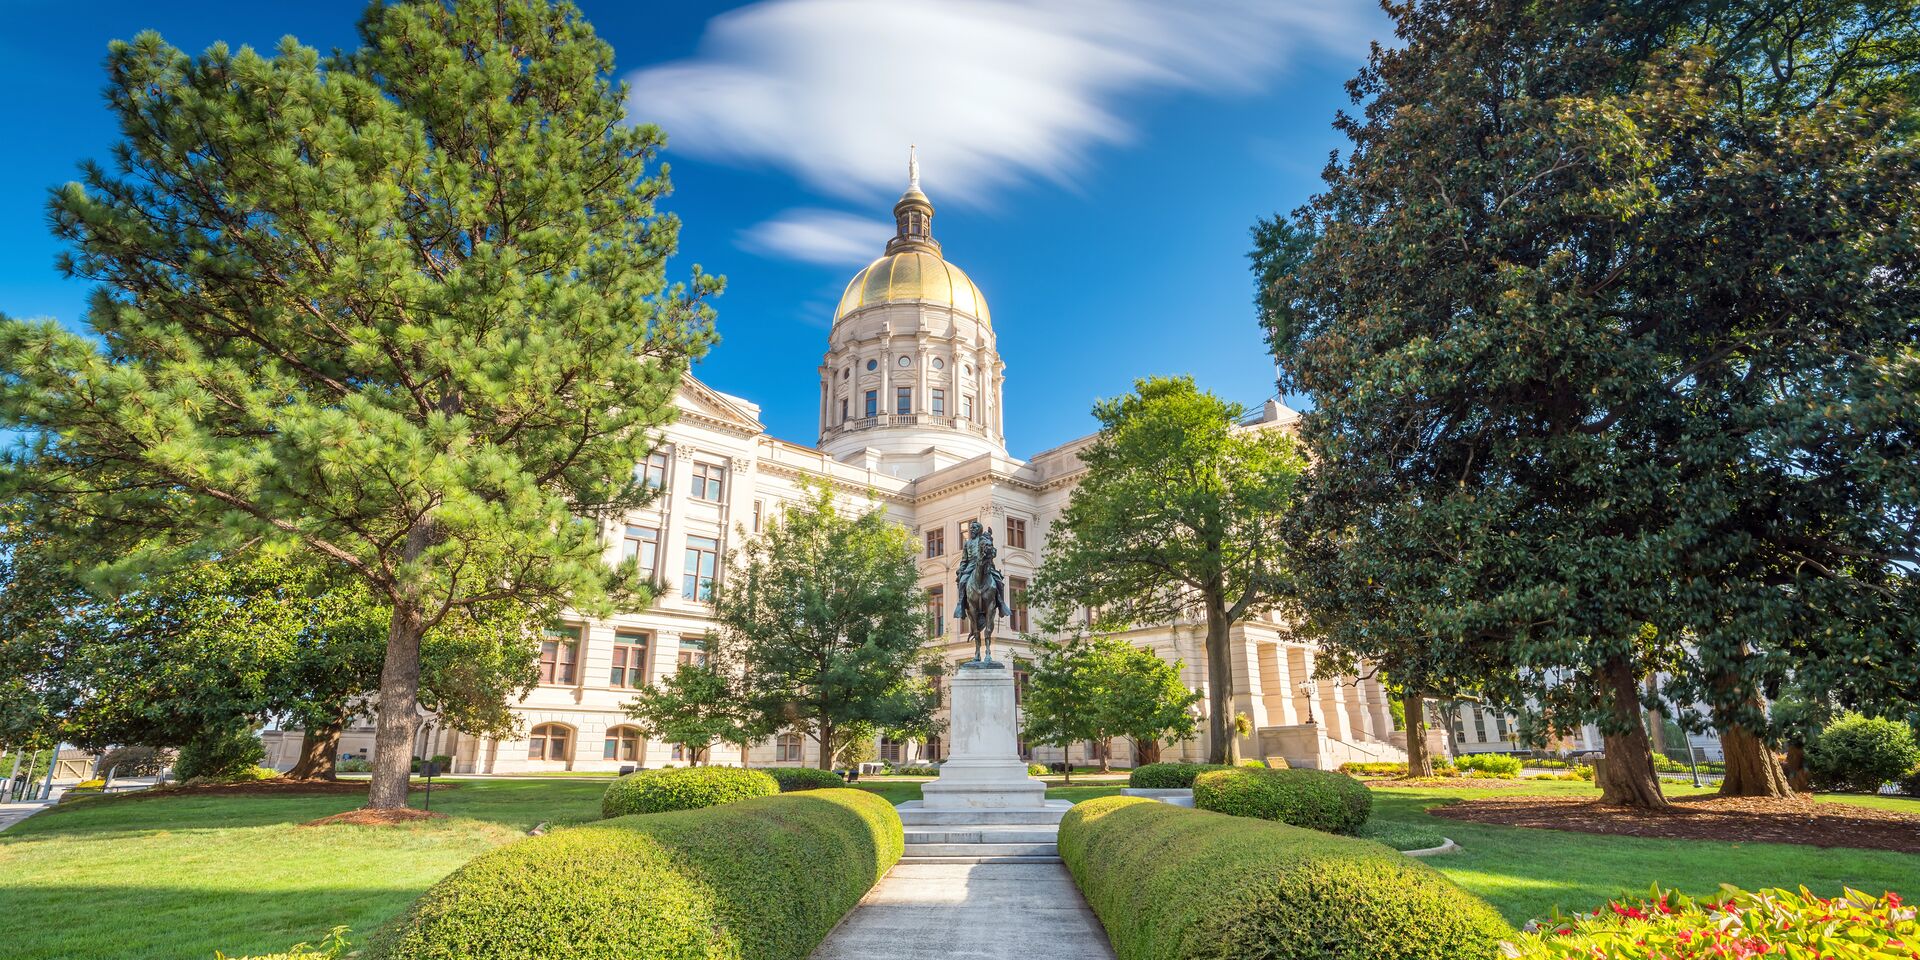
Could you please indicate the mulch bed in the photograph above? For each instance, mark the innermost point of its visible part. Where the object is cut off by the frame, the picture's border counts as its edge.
(276, 788)
(376, 818)
(1444, 783)
(1735, 819)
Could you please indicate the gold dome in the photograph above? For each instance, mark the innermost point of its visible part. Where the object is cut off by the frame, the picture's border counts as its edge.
(913, 275)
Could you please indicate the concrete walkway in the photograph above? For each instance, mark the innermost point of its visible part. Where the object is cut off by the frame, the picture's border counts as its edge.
(970, 911)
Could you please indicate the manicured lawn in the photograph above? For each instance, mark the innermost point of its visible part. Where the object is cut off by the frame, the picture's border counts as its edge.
(131, 877)
(1526, 873)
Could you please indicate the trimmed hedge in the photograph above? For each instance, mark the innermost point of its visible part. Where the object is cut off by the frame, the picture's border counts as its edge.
(1169, 776)
(1497, 764)
(764, 878)
(1316, 799)
(684, 788)
(803, 778)
(1170, 882)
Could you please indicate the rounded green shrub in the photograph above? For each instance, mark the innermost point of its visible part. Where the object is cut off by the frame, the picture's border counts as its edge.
(1166, 881)
(803, 778)
(684, 788)
(1316, 799)
(1254, 764)
(220, 754)
(1169, 776)
(1496, 764)
(1037, 770)
(1860, 753)
(763, 878)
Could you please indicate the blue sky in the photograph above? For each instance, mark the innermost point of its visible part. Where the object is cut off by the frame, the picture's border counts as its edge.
(1095, 164)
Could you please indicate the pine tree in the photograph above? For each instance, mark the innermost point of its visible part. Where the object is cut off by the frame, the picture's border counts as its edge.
(405, 308)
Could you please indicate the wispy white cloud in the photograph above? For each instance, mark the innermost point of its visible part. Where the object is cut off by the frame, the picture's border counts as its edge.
(826, 237)
(994, 92)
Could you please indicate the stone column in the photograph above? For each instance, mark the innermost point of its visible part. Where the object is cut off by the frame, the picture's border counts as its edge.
(1275, 693)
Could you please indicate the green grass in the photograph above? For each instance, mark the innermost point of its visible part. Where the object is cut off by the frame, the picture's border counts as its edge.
(180, 877)
(1526, 873)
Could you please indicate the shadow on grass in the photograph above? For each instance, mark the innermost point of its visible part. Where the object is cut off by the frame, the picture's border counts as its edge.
(1526, 873)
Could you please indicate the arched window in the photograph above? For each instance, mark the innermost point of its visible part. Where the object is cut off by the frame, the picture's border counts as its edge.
(550, 741)
(624, 744)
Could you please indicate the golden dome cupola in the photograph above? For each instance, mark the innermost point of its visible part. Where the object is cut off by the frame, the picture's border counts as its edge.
(912, 378)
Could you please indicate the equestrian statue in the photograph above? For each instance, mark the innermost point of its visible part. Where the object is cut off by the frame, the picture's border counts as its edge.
(981, 590)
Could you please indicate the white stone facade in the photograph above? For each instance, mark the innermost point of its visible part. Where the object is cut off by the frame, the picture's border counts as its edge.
(910, 420)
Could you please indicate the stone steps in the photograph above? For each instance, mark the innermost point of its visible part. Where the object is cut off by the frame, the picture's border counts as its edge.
(981, 859)
(982, 850)
(914, 814)
(983, 835)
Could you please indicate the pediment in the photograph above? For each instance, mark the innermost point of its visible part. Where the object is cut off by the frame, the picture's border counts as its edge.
(698, 401)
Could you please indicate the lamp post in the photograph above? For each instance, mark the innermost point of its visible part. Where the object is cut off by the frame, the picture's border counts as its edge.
(1306, 688)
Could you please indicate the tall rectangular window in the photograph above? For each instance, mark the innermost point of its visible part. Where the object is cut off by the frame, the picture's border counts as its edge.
(843, 409)
(758, 506)
(873, 403)
(966, 407)
(1017, 599)
(903, 400)
(936, 542)
(642, 545)
(939, 400)
(559, 651)
(1019, 684)
(703, 556)
(653, 472)
(787, 748)
(964, 524)
(937, 607)
(629, 660)
(1016, 532)
(707, 481)
(1479, 725)
(693, 652)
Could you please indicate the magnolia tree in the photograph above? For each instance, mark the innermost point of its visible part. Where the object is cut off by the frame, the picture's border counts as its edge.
(1588, 404)
(404, 308)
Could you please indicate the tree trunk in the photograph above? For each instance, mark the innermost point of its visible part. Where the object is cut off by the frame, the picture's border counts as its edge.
(319, 746)
(1627, 778)
(1419, 763)
(1219, 682)
(1106, 755)
(826, 745)
(1751, 769)
(397, 717)
(1656, 721)
(1797, 776)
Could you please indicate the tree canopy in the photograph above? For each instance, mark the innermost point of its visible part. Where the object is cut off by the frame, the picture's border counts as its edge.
(404, 308)
(1609, 318)
(1179, 513)
(1099, 688)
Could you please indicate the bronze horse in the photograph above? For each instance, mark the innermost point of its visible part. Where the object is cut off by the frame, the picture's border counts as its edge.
(982, 608)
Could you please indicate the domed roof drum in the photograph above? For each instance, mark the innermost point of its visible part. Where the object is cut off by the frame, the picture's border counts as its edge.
(913, 275)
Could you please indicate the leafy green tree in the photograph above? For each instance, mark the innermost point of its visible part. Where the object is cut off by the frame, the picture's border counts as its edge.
(1589, 404)
(1179, 514)
(823, 616)
(696, 706)
(405, 308)
(1058, 708)
(1137, 696)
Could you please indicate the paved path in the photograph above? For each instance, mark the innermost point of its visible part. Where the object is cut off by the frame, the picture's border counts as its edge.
(970, 911)
(12, 813)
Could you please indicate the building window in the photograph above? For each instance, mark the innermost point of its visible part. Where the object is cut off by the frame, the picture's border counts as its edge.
(548, 741)
(707, 481)
(1479, 724)
(903, 400)
(1026, 750)
(693, 653)
(558, 653)
(966, 408)
(873, 364)
(1500, 725)
(936, 608)
(939, 364)
(1019, 684)
(889, 749)
(964, 524)
(873, 403)
(703, 555)
(629, 660)
(939, 401)
(643, 547)
(653, 472)
(936, 542)
(843, 409)
(1016, 532)
(1017, 599)
(934, 747)
(906, 362)
(758, 506)
(787, 748)
(624, 744)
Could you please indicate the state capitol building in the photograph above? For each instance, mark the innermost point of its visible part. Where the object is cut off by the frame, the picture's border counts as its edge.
(911, 416)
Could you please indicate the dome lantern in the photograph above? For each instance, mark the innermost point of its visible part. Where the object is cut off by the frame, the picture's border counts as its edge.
(913, 215)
